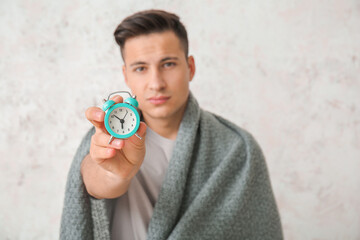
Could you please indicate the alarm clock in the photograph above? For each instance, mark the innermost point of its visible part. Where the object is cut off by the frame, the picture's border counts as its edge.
(122, 120)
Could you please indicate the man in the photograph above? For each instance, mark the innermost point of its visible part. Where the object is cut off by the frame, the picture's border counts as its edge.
(193, 175)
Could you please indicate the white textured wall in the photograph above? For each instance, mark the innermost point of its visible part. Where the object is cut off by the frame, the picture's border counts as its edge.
(287, 71)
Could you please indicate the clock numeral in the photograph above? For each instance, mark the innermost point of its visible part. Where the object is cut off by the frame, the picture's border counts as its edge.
(130, 114)
(129, 129)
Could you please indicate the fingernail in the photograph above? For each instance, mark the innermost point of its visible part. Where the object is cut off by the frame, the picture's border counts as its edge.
(116, 142)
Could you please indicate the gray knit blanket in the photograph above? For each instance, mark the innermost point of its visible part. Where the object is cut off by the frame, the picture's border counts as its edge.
(216, 187)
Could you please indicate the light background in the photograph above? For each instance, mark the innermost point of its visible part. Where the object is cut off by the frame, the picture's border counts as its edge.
(287, 71)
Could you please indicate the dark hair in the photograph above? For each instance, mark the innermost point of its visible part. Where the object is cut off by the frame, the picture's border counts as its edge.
(150, 21)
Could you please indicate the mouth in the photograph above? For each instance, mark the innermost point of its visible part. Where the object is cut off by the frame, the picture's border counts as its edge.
(158, 100)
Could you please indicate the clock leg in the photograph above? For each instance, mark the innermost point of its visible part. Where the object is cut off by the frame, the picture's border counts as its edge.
(138, 136)
(111, 138)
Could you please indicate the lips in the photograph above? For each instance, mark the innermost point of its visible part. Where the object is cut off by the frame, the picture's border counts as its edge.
(158, 100)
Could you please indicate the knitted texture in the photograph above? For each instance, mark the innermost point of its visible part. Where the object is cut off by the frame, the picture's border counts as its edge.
(76, 222)
(216, 187)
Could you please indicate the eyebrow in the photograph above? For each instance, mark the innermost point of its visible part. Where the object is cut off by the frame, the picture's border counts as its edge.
(137, 63)
(162, 60)
(169, 58)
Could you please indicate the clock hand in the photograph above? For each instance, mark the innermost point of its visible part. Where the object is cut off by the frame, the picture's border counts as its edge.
(121, 121)
(125, 114)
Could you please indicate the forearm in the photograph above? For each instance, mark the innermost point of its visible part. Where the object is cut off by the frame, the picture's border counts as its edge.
(100, 183)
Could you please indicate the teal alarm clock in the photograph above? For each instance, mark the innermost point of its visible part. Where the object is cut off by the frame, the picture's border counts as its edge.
(122, 120)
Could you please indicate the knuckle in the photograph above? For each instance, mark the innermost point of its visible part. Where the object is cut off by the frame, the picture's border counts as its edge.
(98, 139)
(95, 156)
(109, 152)
(92, 153)
(100, 153)
(139, 147)
(94, 139)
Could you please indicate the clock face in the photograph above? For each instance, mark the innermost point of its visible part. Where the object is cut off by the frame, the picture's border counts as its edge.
(122, 120)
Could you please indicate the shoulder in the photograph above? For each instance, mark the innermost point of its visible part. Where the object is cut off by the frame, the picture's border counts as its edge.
(226, 129)
(236, 148)
(228, 136)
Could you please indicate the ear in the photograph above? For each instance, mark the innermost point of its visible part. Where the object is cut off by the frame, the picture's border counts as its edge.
(192, 68)
(124, 73)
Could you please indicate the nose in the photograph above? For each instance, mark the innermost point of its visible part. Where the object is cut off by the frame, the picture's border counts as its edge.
(156, 80)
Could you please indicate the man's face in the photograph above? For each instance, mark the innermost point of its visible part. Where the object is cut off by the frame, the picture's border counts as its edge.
(158, 73)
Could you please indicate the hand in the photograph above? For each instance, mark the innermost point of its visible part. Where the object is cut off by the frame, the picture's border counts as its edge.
(121, 159)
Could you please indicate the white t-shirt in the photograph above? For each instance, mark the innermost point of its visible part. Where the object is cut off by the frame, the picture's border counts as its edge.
(134, 209)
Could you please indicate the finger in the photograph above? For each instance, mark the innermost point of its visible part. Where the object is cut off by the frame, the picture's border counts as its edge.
(99, 115)
(117, 99)
(101, 139)
(141, 132)
(100, 154)
(134, 148)
(112, 160)
(96, 116)
(117, 164)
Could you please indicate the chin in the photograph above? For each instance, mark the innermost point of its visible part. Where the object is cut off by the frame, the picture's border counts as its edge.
(159, 113)
(167, 110)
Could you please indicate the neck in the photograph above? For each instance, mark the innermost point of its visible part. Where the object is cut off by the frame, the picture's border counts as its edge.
(166, 127)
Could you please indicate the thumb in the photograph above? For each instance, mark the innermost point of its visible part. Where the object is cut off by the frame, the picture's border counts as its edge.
(134, 147)
(142, 133)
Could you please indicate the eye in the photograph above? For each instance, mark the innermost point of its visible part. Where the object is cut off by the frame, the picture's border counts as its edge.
(139, 69)
(169, 64)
